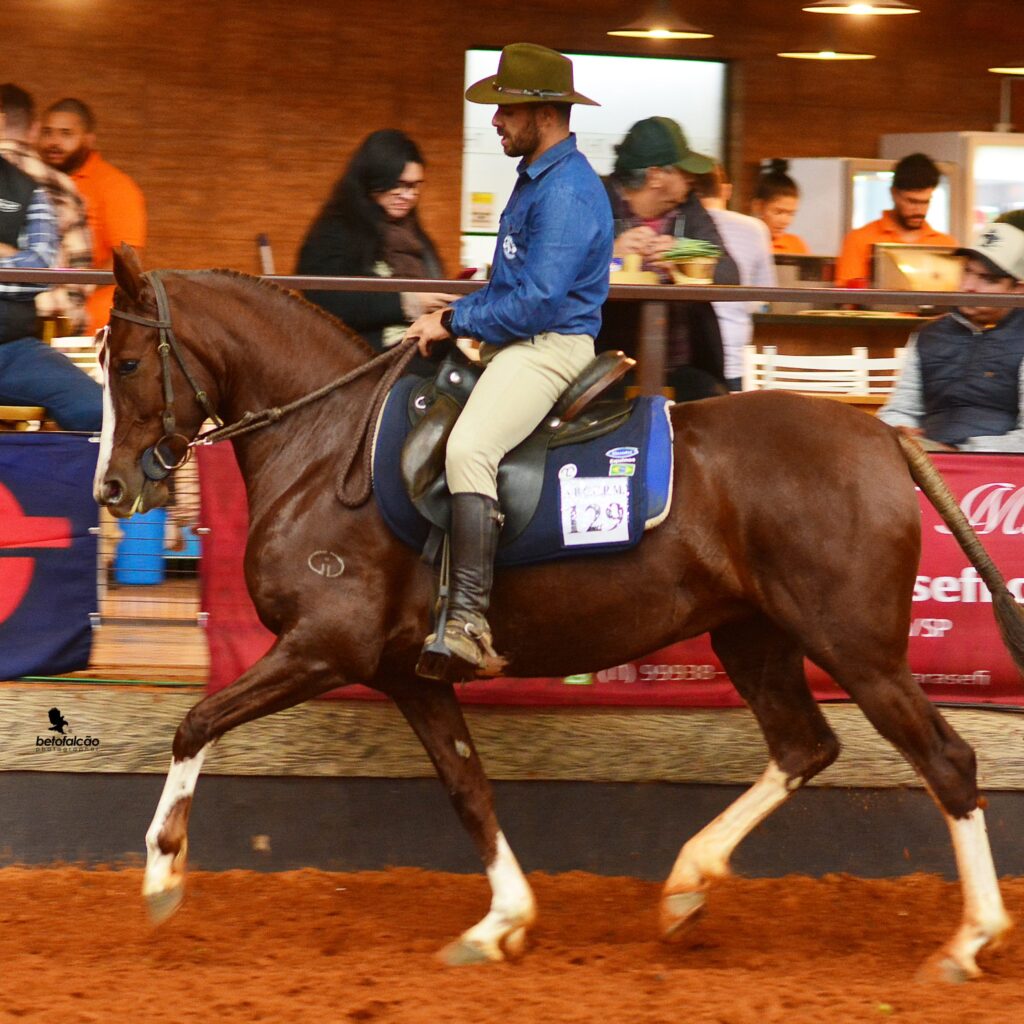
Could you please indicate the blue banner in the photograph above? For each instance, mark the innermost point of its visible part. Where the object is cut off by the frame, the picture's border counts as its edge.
(47, 554)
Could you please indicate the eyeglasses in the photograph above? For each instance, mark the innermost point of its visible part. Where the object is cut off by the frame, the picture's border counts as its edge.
(409, 188)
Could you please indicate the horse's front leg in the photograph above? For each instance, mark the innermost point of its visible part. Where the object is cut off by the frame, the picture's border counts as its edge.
(436, 717)
(282, 678)
(163, 884)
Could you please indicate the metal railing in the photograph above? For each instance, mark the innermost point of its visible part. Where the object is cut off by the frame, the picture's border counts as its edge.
(618, 292)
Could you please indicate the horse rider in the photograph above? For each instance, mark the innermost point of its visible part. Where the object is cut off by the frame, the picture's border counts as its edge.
(536, 320)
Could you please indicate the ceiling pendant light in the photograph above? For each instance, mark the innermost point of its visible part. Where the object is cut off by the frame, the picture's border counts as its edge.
(824, 55)
(826, 46)
(862, 7)
(1005, 123)
(661, 22)
(1010, 69)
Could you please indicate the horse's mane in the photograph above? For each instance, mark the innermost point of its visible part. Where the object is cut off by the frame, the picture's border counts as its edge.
(288, 296)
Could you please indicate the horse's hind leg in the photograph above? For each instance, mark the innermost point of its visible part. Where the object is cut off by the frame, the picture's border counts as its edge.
(898, 709)
(436, 717)
(766, 667)
(278, 680)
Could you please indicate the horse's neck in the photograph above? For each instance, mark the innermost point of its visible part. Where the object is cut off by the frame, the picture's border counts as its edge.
(276, 350)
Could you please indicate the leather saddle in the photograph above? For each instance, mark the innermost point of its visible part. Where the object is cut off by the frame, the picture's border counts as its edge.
(435, 405)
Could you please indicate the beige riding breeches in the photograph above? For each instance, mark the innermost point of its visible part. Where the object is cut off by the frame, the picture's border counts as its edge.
(521, 383)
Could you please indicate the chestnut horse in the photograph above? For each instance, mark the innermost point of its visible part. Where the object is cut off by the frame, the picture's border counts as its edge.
(794, 531)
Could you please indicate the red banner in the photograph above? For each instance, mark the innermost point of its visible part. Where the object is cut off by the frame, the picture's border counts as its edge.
(955, 649)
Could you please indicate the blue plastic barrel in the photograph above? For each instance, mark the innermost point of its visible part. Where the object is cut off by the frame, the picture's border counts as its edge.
(139, 559)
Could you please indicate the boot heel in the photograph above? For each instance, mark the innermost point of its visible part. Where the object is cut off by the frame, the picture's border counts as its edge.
(439, 663)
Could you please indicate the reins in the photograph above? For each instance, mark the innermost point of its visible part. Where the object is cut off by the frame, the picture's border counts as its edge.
(157, 466)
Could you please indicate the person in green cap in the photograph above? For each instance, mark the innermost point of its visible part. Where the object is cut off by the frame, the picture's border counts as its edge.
(654, 205)
(536, 321)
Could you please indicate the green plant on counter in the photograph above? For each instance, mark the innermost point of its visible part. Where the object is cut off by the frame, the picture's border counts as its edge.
(692, 249)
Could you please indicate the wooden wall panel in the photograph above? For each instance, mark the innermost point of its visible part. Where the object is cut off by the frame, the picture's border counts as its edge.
(235, 117)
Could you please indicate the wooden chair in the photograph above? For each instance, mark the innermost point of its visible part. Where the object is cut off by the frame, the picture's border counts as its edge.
(82, 352)
(855, 378)
(21, 417)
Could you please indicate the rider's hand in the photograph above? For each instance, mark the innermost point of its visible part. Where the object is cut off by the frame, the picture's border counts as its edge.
(427, 331)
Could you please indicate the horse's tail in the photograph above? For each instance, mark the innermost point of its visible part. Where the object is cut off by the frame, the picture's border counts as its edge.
(1009, 614)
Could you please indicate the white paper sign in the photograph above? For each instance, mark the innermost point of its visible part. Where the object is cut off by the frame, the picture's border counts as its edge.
(595, 510)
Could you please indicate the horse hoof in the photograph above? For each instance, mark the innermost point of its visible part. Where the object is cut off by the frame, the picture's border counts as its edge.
(944, 969)
(162, 905)
(514, 943)
(465, 953)
(679, 912)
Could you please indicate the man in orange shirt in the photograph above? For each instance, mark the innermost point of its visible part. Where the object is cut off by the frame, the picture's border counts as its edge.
(914, 180)
(116, 208)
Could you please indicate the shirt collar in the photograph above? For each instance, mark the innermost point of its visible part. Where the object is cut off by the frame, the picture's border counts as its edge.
(549, 158)
(91, 162)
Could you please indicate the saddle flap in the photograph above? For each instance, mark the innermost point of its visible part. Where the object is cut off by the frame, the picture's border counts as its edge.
(423, 454)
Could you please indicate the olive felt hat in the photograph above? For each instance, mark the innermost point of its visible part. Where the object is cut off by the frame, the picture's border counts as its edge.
(528, 73)
(659, 142)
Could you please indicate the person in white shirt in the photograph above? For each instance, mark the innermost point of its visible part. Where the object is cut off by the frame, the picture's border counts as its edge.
(749, 241)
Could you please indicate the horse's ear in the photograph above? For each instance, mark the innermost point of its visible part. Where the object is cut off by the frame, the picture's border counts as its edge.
(128, 272)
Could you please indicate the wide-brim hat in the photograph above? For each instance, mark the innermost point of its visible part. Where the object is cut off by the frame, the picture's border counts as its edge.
(659, 142)
(528, 73)
(1001, 247)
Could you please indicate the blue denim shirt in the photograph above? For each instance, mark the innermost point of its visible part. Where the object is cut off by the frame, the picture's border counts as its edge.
(550, 270)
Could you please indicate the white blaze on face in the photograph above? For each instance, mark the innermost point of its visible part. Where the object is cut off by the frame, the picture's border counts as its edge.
(107, 432)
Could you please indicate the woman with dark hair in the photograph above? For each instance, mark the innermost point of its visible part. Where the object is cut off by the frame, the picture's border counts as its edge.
(369, 228)
(775, 201)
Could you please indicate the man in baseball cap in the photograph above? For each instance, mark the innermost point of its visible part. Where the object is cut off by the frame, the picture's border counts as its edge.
(1000, 246)
(654, 205)
(962, 383)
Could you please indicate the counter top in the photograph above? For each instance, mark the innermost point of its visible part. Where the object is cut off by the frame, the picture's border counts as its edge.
(841, 317)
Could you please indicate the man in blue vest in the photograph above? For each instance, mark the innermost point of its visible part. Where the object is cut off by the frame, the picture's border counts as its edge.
(32, 373)
(962, 383)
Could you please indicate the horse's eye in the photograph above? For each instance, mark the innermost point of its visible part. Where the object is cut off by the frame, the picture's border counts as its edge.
(127, 366)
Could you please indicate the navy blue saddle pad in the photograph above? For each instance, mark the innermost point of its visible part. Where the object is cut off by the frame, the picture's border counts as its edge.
(598, 496)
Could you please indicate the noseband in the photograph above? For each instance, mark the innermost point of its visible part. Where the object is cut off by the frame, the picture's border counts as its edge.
(159, 461)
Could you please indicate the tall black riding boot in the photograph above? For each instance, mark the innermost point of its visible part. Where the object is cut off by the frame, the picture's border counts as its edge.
(476, 522)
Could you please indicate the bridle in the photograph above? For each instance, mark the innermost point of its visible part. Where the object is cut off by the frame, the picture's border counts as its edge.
(159, 461)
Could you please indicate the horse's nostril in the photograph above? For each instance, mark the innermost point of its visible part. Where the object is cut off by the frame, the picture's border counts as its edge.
(111, 492)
